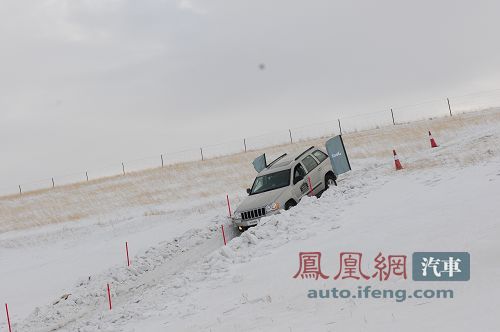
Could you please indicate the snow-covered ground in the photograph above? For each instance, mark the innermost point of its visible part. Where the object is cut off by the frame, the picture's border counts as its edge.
(182, 278)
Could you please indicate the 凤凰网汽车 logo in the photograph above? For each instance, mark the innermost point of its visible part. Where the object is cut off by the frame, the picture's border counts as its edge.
(425, 266)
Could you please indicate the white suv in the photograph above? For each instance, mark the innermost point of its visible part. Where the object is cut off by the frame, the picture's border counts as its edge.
(283, 183)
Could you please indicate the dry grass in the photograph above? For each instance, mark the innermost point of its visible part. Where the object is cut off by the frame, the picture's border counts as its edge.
(193, 182)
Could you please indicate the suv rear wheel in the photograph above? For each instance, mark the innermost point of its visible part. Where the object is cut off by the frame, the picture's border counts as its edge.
(330, 180)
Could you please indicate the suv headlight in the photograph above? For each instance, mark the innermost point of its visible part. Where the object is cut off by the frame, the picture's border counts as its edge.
(273, 207)
(237, 215)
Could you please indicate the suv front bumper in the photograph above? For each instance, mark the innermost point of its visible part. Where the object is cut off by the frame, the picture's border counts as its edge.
(245, 223)
(251, 222)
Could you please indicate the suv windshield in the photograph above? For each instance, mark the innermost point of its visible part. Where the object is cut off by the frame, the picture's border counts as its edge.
(271, 181)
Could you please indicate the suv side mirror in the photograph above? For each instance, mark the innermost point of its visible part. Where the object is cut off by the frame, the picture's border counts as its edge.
(249, 191)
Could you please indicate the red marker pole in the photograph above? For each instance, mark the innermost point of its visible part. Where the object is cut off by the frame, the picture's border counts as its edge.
(228, 206)
(128, 259)
(310, 185)
(223, 235)
(109, 298)
(8, 317)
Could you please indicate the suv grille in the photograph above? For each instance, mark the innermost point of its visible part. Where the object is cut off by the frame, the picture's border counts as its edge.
(252, 214)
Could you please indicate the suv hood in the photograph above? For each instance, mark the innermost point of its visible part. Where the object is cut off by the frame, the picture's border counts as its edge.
(260, 200)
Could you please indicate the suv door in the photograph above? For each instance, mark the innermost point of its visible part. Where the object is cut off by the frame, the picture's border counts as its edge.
(323, 168)
(300, 186)
(313, 172)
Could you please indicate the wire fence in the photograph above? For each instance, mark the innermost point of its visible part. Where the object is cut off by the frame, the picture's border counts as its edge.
(348, 124)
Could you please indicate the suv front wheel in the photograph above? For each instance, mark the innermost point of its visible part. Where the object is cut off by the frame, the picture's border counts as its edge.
(288, 205)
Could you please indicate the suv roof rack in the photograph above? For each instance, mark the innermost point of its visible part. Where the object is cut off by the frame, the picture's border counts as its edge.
(300, 155)
(275, 160)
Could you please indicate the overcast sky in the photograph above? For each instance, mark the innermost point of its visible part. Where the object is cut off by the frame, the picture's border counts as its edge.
(89, 83)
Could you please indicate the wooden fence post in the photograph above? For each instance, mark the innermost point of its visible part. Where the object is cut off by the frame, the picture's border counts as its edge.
(392, 114)
(340, 128)
(449, 106)
(123, 168)
(291, 139)
(161, 156)
(201, 151)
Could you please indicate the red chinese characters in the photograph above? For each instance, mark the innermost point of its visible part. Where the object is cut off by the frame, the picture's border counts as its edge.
(392, 265)
(351, 266)
(310, 266)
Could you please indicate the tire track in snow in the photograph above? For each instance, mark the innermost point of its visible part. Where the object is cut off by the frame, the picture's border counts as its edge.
(157, 264)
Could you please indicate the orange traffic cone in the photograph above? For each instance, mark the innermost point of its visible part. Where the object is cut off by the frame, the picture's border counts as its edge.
(396, 161)
(433, 142)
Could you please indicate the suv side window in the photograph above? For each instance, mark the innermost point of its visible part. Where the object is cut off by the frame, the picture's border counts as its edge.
(309, 163)
(298, 173)
(320, 155)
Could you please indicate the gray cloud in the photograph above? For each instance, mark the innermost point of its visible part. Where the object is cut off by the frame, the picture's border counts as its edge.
(89, 83)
